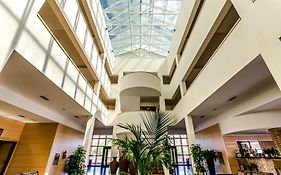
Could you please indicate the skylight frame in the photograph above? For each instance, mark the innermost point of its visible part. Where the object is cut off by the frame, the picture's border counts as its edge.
(141, 24)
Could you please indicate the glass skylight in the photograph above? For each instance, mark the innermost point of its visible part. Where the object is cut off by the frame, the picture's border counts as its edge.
(141, 24)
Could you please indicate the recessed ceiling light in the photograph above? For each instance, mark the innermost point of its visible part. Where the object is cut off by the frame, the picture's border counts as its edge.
(76, 116)
(232, 98)
(21, 116)
(44, 98)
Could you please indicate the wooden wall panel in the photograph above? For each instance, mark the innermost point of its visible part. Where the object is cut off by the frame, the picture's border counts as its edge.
(12, 129)
(211, 138)
(231, 146)
(33, 149)
(66, 139)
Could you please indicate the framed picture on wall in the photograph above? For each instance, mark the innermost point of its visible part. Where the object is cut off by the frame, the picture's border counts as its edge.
(56, 159)
(1, 131)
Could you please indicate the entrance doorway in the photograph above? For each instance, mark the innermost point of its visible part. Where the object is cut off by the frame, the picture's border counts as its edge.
(100, 155)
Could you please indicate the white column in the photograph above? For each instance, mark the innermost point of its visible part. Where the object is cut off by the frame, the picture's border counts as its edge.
(190, 137)
(162, 106)
(88, 136)
(182, 88)
(114, 150)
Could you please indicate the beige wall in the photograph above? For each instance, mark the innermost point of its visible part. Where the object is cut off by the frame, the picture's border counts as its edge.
(66, 139)
(38, 144)
(211, 138)
(12, 129)
(231, 146)
(33, 148)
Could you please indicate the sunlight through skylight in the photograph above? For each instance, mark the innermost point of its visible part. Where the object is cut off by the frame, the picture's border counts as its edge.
(141, 24)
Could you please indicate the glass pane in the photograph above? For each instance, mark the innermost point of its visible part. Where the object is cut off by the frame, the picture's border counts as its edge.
(93, 151)
(98, 159)
(95, 142)
(184, 142)
(179, 150)
(108, 142)
(102, 142)
(185, 150)
(177, 141)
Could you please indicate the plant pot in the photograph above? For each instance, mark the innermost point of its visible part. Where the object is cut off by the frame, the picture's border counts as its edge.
(132, 169)
(157, 170)
(114, 166)
(123, 165)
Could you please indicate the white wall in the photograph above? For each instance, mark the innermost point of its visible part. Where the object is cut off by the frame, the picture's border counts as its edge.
(259, 120)
(26, 34)
(140, 84)
(130, 62)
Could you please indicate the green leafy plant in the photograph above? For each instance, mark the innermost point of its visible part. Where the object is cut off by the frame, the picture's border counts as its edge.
(149, 149)
(75, 163)
(198, 159)
(210, 156)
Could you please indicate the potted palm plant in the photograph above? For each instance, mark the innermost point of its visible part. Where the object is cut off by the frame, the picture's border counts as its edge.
(149, 149)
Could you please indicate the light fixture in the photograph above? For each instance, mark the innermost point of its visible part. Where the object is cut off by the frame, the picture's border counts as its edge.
(44, 98)
(232, 98)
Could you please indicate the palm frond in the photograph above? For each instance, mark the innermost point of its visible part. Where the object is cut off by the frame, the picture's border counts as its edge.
(156, 125)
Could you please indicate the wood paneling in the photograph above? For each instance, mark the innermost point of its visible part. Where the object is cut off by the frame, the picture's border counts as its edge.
(33, 149)
(211, 138)
(231, 146)
(66, 139)
(12, 128)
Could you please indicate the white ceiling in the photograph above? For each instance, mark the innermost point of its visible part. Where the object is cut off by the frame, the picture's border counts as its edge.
(251, 78)
(24, 79)
(254, 131)
(10, 111)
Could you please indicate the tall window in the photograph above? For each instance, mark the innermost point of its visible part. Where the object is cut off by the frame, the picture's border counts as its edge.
(98, 154)
(181, 153)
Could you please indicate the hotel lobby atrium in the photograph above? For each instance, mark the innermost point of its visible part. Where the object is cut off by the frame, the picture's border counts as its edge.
(74, 73)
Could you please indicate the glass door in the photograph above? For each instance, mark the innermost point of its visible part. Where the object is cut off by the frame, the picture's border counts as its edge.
(100, 154)
(105, 159)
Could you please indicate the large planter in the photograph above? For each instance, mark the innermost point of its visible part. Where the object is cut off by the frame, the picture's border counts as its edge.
(132, 169)
(114, 166)
(157, 171)
(123, 165)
